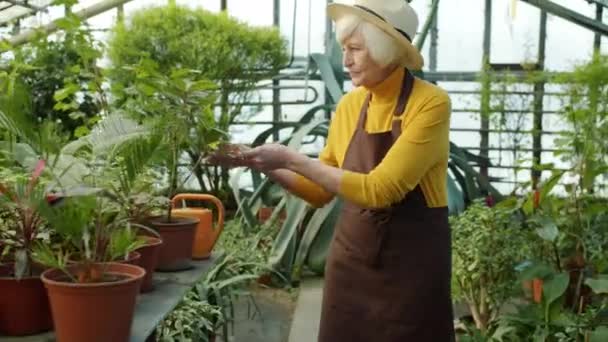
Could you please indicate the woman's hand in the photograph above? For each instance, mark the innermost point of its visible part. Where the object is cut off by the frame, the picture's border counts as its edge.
(228, 156)
(269, 157)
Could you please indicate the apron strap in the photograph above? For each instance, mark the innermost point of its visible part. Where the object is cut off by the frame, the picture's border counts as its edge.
(363, 113)
(406, 90)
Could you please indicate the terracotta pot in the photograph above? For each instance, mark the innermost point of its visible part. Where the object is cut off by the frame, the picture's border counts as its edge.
(133, 259)
(149, 260)
(177, 236)
(24, 305)
(206, 234)
(94, 311)
(264, 214)
(265, 279)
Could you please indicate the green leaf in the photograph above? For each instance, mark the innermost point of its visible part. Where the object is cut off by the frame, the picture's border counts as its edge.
(67, 24)
(599, 335)
(146, 89)
(548, 231)
(77, 115)
(5, 46)
(81, 131)
(502, 332)
(22, 153)
(296, 210)
(551, 183)
(536, 270)
(455, 197)
(67, 3)
(598, 285)
(545, 189)
(541, 334)
(310, 233)
(318, 251)
(67, 91)
(554, 288)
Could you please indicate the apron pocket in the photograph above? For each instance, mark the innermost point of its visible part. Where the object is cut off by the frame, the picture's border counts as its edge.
(361, 234)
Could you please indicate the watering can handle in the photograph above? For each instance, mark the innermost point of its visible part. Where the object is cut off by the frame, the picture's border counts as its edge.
(202, 197)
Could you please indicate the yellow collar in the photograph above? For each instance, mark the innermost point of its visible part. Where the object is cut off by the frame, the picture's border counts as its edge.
(389, 89)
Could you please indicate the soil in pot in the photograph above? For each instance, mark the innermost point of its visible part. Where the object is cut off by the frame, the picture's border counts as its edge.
(149, 260)
(24, 305)
(177, 236)
(95, 311)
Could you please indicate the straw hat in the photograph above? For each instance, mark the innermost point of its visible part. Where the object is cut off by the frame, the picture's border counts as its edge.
(395, 17)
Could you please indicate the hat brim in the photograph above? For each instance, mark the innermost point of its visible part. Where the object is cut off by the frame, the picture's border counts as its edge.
(412, 59)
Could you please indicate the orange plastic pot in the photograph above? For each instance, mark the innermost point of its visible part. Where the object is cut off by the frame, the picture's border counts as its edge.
(24, 305)
(149, 261)
(206, 234)
(176, 250)
(94, 311)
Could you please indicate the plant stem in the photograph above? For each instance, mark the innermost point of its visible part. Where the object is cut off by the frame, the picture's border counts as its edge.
(577, 293)
(172, 173)
(558, 261)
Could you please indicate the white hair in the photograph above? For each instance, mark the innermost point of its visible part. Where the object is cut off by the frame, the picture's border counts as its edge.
(383, 48)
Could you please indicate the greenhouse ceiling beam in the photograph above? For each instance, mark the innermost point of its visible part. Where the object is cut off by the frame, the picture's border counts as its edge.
(600, 2)
(419, 43)
(85, 13)
(450, 76)
(25, 4)
(7, 6)
(570, 15)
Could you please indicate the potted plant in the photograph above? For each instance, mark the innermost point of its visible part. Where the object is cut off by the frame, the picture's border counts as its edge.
(137, 206)
(487, 244)
(129, 185)
(24, 306)
(169, 103)
(92, 298)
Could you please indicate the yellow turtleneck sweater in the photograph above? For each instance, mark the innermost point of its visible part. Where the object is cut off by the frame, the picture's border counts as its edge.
(419, 156)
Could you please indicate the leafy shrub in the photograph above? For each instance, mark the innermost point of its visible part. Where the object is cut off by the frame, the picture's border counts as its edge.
(488, 243)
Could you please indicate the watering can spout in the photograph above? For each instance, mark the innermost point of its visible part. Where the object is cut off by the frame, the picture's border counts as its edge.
(207, 233)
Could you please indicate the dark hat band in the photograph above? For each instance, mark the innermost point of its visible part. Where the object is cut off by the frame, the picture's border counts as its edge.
(366, 9)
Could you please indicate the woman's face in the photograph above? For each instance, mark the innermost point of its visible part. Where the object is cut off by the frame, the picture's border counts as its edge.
(363, 70)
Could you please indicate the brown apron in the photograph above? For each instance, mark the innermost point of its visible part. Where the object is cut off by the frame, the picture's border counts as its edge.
(388, 273)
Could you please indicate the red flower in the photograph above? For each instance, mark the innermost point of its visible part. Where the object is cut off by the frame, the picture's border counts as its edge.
(490, 201)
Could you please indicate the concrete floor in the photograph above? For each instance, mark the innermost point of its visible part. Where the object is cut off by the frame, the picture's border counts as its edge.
(285, 316)
(270, 323)
(305, 325)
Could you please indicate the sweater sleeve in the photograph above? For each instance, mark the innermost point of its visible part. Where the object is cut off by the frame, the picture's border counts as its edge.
(421, 145)
(310, 191)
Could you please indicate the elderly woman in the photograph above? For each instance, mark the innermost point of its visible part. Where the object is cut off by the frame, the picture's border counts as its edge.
(389, 268)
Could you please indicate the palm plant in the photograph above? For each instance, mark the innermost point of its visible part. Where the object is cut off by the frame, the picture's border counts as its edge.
(89, 235)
